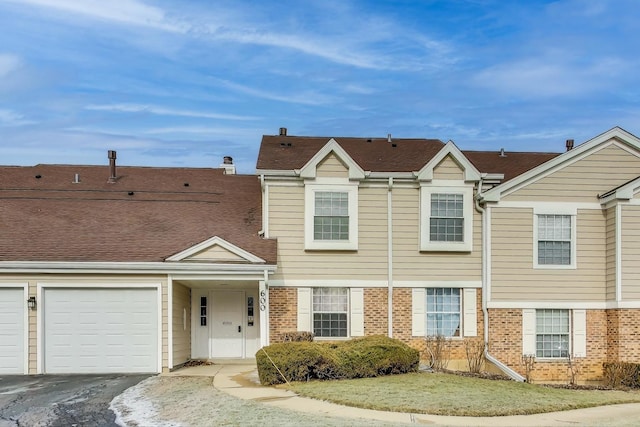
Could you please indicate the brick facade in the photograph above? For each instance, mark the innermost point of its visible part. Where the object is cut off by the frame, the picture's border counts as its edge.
(283, 312)
(623, 335)
(376, 313)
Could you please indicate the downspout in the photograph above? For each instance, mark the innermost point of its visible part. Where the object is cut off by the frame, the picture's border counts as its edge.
(485, 293)
(264, 221)
(390, 257)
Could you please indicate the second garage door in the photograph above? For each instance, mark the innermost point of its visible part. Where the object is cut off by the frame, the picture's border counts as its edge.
(100, 330)
(12, 306)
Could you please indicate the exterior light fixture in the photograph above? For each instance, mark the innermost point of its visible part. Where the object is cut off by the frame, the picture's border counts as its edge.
(31, 302)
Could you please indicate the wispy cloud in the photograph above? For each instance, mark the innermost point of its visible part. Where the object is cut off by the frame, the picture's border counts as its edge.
(306, 98)
(8, 64)
(11, 118)
(161, 111)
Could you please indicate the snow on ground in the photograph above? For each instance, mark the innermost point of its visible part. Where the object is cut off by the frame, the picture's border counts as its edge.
(134, 408)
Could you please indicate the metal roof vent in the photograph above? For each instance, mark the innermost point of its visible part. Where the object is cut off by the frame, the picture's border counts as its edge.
(112, 167)
(76, 179)
(569, 144)
(502, 153)
(388, 137)
(283, 131)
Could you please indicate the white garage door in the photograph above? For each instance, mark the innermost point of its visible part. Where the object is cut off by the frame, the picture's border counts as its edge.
(100, 330)
(12, 306)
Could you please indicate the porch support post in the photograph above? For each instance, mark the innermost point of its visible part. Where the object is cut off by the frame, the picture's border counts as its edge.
(263, 299)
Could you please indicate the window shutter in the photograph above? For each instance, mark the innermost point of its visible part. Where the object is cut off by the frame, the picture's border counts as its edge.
(470, 320)
(418, 307)
(304, 310)
(356, 298)
(579, 333)
(529, 332)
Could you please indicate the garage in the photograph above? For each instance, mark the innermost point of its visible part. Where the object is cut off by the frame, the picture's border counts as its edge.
(103, 330)
(12, 330)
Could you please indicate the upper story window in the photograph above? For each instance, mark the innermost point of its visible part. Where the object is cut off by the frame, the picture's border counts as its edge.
(554, 240)
(331, 215)
(330, 312)
(331, 219)
(446, 218)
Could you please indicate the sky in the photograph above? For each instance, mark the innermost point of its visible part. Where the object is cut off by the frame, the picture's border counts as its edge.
(183, 83)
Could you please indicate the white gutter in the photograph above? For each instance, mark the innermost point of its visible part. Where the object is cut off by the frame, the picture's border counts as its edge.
(390, 258)
(485, 294)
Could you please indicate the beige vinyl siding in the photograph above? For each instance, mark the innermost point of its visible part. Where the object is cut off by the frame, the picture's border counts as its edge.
(630, 253)
(411, 264)
(286, 223)
(90, 279)
(585, 179)
(181, 330)
(448, 169)
(215, 253)
(513, 277)
(611, 253)
(331, 167)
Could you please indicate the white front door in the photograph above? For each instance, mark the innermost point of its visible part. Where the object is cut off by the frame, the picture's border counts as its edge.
(227, 326)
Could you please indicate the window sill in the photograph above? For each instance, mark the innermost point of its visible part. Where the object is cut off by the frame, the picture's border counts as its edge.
(331, 246)
(446, 247)
(554, 267)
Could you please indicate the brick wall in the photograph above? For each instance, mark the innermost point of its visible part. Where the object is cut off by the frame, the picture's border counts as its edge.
(283, 312)
(505, 343)
(623, 326)
(376, 311)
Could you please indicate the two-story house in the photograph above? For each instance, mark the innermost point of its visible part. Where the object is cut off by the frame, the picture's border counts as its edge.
(142, 269)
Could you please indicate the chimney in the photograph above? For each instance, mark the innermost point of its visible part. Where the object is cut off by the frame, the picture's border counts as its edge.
(112, 167)
(569, 144)
(283, 131)
(388, 137)
(228, 166)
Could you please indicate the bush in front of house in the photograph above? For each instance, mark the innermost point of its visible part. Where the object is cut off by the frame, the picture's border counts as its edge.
(358, 358)
(297, 336)
(621, 374)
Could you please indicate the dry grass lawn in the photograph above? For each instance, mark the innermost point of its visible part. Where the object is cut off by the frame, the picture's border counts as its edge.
(449, 394)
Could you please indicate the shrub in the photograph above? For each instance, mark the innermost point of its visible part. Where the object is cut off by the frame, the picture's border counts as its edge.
(357, 358)
(622, 374)
(297, 336)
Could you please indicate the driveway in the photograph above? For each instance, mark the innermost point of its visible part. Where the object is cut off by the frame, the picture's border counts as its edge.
(61, 400)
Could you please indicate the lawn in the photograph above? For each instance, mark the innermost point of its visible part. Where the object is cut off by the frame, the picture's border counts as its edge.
(449, 394)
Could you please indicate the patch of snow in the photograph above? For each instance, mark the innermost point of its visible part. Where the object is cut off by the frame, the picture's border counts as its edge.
(132, 408)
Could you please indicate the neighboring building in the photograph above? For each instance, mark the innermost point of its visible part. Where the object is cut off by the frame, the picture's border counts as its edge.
(142, 269)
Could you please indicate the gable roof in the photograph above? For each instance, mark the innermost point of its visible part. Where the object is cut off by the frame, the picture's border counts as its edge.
(617, 134)
(288, 153)
(148, 215)
(511, 164)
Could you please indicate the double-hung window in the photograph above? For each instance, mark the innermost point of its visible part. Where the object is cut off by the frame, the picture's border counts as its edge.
(554, 238)
(446, 217)
(443, 313)
(552, 333)
(331, 216)
(330, 312)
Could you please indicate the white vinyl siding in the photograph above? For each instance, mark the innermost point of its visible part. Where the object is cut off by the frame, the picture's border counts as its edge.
(444, 311)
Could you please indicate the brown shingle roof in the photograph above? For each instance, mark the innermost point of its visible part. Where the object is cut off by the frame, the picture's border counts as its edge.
(52, 219)
(511, 164)
(279, 152)
(371, 154)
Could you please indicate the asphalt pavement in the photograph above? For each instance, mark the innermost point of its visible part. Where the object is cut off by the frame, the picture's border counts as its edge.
(61, 400)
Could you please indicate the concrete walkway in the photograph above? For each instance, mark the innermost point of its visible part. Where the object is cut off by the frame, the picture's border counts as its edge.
(241, 381)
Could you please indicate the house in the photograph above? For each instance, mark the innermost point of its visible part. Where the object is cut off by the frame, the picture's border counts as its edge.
(134, 269)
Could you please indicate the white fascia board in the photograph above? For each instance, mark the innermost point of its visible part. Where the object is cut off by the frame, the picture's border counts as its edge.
(131, 267)
(394, 175)
(625, 192)
(308, 171)
(276, 172)
(556, 163)
(450, 148)
(216, 241)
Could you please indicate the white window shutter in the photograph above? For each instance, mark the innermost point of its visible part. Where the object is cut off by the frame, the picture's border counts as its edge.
(304, 310)
(356, 298)
(418, 308)
(470, 320)
(529, 331)
(579, 333)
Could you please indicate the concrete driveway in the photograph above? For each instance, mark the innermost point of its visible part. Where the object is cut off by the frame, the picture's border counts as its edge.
(69, 400)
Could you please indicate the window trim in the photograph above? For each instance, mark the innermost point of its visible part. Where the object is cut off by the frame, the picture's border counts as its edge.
(337, 186)
(446, 187)
(347, 293)
(555, 210)
(460, 312)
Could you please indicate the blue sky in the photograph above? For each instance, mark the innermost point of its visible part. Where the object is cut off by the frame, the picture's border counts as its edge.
(184, 83)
